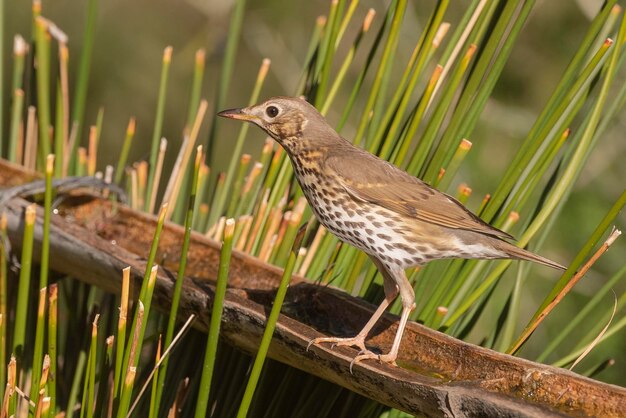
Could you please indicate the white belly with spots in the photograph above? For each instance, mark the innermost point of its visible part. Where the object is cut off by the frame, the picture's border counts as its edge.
(383, 233)
(369, 228)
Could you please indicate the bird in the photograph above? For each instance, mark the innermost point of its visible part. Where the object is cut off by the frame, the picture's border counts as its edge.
(398, 220)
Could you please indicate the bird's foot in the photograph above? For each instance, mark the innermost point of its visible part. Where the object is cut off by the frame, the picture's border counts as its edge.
(388, 358)
(357, 341)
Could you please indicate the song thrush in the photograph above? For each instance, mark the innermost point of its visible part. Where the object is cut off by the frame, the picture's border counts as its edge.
(397, 219)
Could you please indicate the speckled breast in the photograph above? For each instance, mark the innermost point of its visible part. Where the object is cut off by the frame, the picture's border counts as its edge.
(371, 228)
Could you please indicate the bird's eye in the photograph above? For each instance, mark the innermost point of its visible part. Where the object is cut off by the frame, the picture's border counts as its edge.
(272, 111)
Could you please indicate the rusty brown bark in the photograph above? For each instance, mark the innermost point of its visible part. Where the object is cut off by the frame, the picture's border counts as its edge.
(92, 241)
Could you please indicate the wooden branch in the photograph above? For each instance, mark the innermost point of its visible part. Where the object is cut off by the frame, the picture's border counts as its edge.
(93, 240)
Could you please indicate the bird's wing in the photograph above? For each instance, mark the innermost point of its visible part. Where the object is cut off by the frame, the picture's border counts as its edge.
(368, 178)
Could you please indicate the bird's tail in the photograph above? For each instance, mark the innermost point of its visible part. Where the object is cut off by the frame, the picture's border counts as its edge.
(522, 254)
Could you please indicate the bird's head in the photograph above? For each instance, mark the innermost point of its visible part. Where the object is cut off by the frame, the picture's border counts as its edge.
(291, 121)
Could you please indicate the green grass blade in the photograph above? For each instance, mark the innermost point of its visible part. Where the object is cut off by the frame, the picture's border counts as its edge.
(2, 87)
(121, 333)
(563, 115)
(45, 241)
(428, 139)
(228, 67)
(196, 87)
(158, 123)
(385, 63)
(400, 156)
(16, 119)
(38, 348)
(573, 169)
(235, 197)
(371, 58)
(583, 314)
(52, 343)
(59, 140)
(328, 49)
(82, 82)
(216, 318)
(21, 310)
(544, 119)
(339, 78)
(451, 169)
(4, 239)
(311, 54)
(154, 392)
(147, 287)
(269, 328)
(396, 109)
(121, 162)
(561, 188)
(91, 378)
(481, 82)
(613, 329)
(42, 39)
(565, 278)
(127, 391)
(169, 334)
(219, 200)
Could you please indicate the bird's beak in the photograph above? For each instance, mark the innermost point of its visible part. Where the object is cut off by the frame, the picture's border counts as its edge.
(240, 114)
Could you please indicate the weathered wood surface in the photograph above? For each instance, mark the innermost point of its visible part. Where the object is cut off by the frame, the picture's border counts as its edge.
(442, 376)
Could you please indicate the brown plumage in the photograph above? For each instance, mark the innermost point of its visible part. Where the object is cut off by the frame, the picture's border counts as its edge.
(397, 219)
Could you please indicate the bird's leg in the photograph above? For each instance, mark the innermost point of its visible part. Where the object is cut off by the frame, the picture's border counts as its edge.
(391, 291)
(359, 339)
(408, 304)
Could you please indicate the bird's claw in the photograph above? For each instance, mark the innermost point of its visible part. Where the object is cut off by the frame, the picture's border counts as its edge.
(369, 355)
(363, 355)
(358, 341)
(348, 342)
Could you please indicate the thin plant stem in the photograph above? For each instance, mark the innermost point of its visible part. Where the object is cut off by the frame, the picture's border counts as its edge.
(196, 87)
(38, 348)
(4, 239)
(270, 326)
(45, 241)
(171, 192)
(82, 82)
(52, 342)
(244, 164)
(158, 121)
(20, 49)
(89, 407)
(147, 287)
(121, 162)
(42, 39)
(154, 402)
(157, 175)
(367, 22)
(385, 61)
(328, 49)
(21, 310)
(181, 270)
(16, 123)
(551, 111)
(121, 331)
(219, 200)
(165, 355)
(228, 66)
(127, 389)
(216, 318)
(63, 110)
(581, 315)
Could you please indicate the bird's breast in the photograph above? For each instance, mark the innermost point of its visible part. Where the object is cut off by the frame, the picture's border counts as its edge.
(393, 238)
(373, 229)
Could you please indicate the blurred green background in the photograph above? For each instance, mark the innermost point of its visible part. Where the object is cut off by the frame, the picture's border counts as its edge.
(131, 36)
